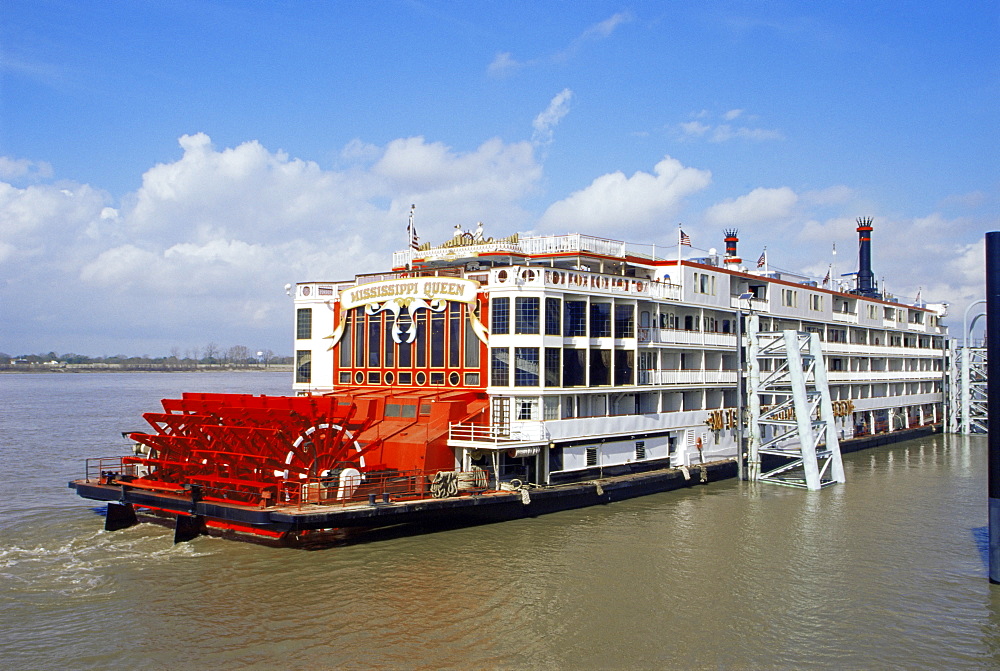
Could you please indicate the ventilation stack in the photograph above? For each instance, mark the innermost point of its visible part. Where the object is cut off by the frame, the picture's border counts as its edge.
(866, 279)
(731, 258)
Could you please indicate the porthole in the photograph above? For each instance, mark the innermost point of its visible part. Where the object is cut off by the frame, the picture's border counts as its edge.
(359, 378)
(454, 378)
(389, 377)
(421, 378)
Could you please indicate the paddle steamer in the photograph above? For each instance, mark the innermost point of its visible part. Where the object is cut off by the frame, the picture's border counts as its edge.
(488, 379)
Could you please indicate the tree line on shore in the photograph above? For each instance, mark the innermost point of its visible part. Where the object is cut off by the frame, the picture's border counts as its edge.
(237, 356)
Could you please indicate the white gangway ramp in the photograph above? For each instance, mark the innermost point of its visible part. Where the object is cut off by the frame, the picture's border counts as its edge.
(791, 413)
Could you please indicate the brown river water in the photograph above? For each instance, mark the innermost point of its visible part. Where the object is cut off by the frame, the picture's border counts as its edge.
(884, 572)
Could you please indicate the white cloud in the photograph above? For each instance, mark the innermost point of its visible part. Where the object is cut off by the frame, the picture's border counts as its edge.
(626, 205)
(607, 26)
(503, 64)
(759, 206)
(553, 114)
(725, 131)
(14, 168)
(210, 239)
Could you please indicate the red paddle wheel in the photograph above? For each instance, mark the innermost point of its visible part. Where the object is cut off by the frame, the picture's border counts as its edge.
(252, 449)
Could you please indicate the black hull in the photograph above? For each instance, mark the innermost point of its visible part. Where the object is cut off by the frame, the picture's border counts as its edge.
(338, 525)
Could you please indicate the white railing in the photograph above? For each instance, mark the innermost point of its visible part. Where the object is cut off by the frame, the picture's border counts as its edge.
(540, 245)
(687, 377)
(497, 434)
(882, 375)
(681, 337)
(860, 349)
(583, 282)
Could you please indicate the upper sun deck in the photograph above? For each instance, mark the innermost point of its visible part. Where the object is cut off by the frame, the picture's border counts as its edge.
(467, 247)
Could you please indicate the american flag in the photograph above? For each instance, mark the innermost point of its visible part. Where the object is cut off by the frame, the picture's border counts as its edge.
(826, 280)
(685, 238)
(762, 260)
(411, 231)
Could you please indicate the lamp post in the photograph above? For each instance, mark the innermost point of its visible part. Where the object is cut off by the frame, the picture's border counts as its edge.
(741, 469)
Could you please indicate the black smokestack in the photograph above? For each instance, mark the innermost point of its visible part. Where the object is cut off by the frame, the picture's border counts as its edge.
(866, 279)
(731, 242)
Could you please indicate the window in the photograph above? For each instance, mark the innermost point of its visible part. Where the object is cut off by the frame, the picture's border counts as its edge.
(624, 321)
(574, 367)
(553, 314)
(815, 302)
(303, 366)
(500, 316)
(471, 348)
(303, 323)
(600, 320)
(575, 315)
(789, 298)
(704, 284)
(500, 367)
(553, 366)
(437, 339)
(624, 367)
(525, 366)
(526, 408)
(345, 343)
(526, 315)
(550, 407)
(600, 367)
(455, 335)
(873, 312)
(374, 339)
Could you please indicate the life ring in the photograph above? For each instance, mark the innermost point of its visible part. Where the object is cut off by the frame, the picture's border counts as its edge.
(697, 443)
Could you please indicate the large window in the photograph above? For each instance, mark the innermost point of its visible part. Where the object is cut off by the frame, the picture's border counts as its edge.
(553, 366)
(574, 367)
(526, 315)
(600, 367)
(553, 317)
(437, 339)
(303, 366)
(525, 366)
(575, 323)
(624, 367)
(600, 320)
(374, 340)
(500, 367)
(345, 342)
(624, 321)
(500, 315)
(471, 348)
(303, 323)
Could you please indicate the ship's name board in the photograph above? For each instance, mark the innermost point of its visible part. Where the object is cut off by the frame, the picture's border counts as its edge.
(425, 288)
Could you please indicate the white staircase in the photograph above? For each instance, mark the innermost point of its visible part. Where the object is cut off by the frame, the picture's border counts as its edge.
(791, 413)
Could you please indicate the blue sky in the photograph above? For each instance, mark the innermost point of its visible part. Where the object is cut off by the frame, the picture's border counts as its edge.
(167, 167)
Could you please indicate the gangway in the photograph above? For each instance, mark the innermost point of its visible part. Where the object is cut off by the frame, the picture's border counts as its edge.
(968, 399)
(791, 412)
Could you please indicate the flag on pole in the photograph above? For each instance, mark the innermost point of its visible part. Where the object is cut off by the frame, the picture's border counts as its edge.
(919, 291)
(685, 238)
(411, 231)
(762, 260)
(826, 280)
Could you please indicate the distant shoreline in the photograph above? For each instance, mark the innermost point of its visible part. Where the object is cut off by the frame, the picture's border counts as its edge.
(140, 368)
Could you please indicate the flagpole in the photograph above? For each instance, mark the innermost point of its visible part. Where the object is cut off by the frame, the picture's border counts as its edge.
(680, 273)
